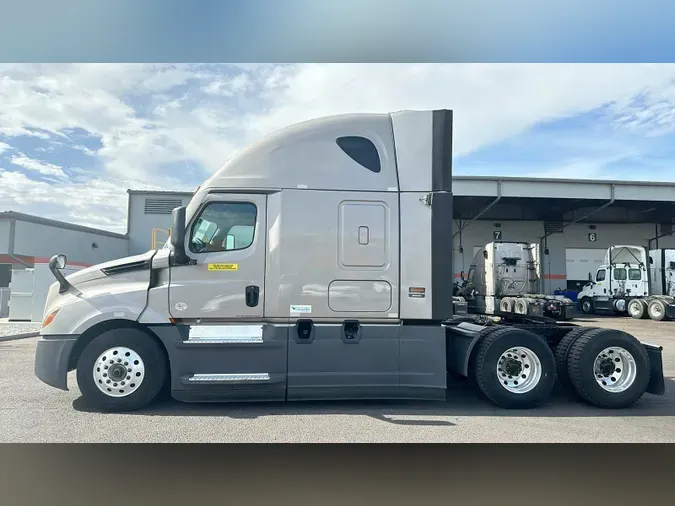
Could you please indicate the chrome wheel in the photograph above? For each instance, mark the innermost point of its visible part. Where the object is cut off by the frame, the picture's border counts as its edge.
(519, 370)
(119, 371)
(656, 310)
(634, 308)
(586, 306)
(615, 369)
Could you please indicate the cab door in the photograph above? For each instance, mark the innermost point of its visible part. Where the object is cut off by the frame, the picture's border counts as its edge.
(226, 242)
(218, 303)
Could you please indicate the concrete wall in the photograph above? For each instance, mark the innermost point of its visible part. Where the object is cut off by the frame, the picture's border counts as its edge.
(4, 235)
(43, 241)
(573, 236)
(142, 222)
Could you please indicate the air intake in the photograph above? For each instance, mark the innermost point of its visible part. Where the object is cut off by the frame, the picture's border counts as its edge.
(161, 206)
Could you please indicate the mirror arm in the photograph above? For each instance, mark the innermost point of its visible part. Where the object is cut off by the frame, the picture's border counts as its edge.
(64, 284)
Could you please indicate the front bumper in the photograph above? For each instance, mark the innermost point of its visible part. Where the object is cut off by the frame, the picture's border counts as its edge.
(52, 357)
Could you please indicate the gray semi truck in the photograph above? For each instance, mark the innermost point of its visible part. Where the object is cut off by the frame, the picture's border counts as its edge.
(505, 277)
(317, 264)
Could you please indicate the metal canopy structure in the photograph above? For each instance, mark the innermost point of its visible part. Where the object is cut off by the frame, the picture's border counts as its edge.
(562, 200)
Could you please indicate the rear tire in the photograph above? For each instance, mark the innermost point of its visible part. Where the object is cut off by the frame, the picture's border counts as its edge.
(507, 304)
(514, 368)
(587, 306)
(562, 354)
(522, 306)
(637, 308)
(657, 310)
(121, 370)
(608, 368)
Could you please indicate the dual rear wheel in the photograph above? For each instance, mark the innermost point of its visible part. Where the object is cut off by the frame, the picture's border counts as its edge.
(516, 368)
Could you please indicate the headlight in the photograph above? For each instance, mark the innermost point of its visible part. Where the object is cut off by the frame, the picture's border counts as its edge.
(50, 317)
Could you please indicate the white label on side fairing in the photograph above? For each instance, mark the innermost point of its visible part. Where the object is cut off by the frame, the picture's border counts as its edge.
(301, 308)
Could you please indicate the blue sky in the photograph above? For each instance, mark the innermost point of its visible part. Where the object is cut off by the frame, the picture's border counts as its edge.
(73, 138)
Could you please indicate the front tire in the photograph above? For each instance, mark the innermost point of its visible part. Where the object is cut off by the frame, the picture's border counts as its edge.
(121, 370)
(609, 368)
(514, 368)
(587, 306)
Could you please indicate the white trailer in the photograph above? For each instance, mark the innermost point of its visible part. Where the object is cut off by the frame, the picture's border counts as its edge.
(632, 281)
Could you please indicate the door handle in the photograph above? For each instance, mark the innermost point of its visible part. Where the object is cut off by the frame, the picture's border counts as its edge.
(252, 295)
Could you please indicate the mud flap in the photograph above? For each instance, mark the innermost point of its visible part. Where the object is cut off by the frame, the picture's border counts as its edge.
(670, 311)
(657, 383)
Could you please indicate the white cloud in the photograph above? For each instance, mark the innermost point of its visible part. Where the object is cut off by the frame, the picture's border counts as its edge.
(229, 87)
(47, 169)
(491, 102)
(99, 203)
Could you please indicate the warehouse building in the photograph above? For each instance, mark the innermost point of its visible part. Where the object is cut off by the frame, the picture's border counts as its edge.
(27, 243)
(573, 221)
(149, 217)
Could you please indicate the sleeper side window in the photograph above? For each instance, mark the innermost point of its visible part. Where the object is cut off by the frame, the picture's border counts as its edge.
(362, 151)
(224, 226)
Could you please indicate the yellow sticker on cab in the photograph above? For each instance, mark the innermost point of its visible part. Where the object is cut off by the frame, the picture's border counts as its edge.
(223, 267)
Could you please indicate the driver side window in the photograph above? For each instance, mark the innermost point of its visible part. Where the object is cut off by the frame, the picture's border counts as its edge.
(601, 275)
(224, 226)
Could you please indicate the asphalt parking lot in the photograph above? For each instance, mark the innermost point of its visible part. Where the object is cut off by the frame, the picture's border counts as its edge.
(33, 412)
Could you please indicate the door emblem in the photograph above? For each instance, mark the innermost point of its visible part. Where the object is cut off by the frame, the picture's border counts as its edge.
(180, 306)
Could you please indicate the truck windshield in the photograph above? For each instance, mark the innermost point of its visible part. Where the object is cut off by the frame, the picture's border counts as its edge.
(620, 274)
(634, 274)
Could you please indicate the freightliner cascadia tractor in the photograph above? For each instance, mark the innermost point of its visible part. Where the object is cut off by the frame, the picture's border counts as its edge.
(317, 264)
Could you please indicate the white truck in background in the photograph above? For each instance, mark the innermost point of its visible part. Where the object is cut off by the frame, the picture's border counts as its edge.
(505, 277)
(633, 281)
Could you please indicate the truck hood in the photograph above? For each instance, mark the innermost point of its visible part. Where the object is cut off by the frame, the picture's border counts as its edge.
(126, 264)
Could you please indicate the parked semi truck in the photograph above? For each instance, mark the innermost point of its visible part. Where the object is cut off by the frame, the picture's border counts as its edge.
(317, 264)
(633, 281)
(505, 277)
